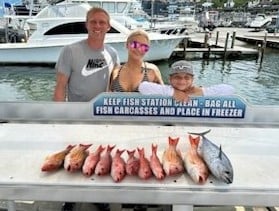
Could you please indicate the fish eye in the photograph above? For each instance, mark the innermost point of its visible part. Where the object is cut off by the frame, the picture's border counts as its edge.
(227, 172)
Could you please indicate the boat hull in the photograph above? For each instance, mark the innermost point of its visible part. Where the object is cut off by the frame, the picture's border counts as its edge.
(25, 53)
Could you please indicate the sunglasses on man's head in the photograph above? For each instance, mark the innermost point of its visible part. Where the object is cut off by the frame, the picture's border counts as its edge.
(143, 47)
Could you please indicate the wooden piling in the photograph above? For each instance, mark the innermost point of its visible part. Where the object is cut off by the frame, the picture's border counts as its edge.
(259, 51)
(185, 45)
(217, 37)
(206, 37)
(233, 39)
(226, 45)
(263, 48)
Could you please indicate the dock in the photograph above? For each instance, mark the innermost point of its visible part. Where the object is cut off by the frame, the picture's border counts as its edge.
(227, 43)
(270, 40)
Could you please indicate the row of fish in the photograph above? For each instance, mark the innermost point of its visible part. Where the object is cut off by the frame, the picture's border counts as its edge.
(201, 158)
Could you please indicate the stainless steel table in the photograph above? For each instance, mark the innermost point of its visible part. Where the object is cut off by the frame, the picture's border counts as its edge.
(253, 152)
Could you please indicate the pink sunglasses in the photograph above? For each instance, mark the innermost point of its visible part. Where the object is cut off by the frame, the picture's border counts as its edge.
(138, 45)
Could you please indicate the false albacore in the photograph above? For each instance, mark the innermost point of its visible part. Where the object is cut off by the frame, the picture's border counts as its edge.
(216, 160)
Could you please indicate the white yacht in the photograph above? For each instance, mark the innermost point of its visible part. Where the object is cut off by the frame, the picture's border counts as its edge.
(60, 24)
(131, 14)
(260, 22)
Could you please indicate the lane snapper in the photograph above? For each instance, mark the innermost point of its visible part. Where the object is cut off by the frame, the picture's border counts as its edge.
(104, 165)
(75, 158)
(216, 160)
(172, 159)
(118, 167)
(193, 163)
(132, 164)
(91, 161)
(155, 164)
(144, 165)
(55, 161)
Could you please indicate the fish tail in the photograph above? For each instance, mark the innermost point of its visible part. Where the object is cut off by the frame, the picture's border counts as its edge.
(194, 141)
(154, 148)
(131, 152)
(69, 147)
(200, 134)
(141, 152)
(85, 146)
(173, 141)
(110, 148)
(119, 152)
(101, 148)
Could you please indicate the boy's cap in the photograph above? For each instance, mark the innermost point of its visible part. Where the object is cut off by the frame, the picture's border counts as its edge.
(181, 67)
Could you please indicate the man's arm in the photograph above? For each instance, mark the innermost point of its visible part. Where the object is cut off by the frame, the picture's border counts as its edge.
(60, 88)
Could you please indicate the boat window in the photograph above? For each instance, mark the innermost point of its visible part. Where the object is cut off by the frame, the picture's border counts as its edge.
(95, 4)
(73, 28)
(69, 28)
(121, 6)
(109, 7)
(114, 7)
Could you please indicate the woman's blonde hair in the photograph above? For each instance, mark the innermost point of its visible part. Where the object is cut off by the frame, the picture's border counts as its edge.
(137, 32)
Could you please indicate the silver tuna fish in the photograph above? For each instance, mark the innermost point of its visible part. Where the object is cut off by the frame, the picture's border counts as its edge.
(215, 159)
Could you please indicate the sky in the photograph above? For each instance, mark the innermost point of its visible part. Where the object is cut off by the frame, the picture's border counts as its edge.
(2, 5)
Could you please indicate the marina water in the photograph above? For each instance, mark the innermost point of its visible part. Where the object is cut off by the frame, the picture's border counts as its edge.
(255, 82)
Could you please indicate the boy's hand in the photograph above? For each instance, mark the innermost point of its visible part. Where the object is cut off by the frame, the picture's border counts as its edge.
(180, 96)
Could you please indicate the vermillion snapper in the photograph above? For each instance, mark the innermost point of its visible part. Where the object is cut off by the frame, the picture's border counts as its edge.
(104, 165)
(118, 171)
(215, 159)
(155, 164)
(91, 161)
(172, 159)
(55, 161)
(145, 171)
(75, 158)
(132, 165)
(194, 164)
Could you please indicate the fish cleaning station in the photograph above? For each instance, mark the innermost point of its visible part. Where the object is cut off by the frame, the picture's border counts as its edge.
(248, 135)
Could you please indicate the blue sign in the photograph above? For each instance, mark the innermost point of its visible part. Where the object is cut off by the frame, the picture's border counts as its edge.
(116, 104)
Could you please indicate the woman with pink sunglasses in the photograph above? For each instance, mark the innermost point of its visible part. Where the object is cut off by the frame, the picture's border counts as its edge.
(128, 76)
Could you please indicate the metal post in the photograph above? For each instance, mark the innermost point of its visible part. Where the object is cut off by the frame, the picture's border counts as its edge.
(233, 39)
(226, 45)
(217, 37)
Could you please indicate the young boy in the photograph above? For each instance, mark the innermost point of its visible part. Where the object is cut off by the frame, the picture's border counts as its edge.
(181, 78)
